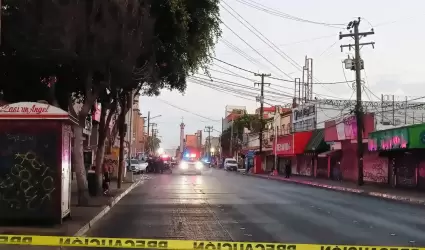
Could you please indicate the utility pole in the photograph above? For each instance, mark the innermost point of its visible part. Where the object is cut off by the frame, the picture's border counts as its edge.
(358, 66)
(147, 138)
(209, 129)
(151, 146)
(261, 99)
(231, 140)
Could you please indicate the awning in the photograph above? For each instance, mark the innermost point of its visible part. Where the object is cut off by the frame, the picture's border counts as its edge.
(327, 153)
(317, 142)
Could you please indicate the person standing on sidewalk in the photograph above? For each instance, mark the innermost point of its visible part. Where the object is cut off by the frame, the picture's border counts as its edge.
(287, 170)
(106, 179)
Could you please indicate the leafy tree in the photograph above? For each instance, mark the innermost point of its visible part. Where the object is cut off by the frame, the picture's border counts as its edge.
(85, 45)
(153, 143)
(101, 50)
(252, 122)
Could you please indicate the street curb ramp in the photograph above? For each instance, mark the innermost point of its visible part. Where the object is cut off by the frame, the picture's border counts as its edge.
(104, 211)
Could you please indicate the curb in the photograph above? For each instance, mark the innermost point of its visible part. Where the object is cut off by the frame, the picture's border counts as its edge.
(82, 231)
(385, 196)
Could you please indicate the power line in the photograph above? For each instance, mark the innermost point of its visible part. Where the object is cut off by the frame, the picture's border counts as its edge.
(269, 43)
(185, 110)
(242, 90)
(242, 53)
(281, 14)
(275, 78)
(274, 65)
(280, 86)
(232, 91)
(234, 66)
(278, 93)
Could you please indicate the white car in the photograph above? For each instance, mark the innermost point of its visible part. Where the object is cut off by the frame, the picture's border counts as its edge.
(230, 164)
(137, 166)
(191, 166)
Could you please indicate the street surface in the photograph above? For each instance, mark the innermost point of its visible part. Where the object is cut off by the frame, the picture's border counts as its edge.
(223, 205)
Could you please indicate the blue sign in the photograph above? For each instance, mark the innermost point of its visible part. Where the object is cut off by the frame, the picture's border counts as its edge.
(250, 154)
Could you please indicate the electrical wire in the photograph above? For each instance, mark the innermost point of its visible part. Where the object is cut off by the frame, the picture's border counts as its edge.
(241, 89)
(274, 65)
(306, 40)
(329, 48)
(185, 110)
(279, 93)
(234, 66)
(281, 14)
(241, 53)
(262, 38)
(275, 78)
(279, 90)
(226, 91)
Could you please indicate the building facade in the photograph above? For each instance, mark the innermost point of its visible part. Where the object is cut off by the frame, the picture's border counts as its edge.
(232, 112)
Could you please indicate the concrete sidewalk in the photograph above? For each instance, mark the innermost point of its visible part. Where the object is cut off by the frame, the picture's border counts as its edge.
(385, 192)
(82, 218)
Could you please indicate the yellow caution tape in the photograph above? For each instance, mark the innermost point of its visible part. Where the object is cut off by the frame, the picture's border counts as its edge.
(57, 241)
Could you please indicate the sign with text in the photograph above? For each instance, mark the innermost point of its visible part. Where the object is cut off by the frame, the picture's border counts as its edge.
(417, 136)
(292, 144)
(31, 110)
(283, 145)
(345, 128)
(389, 139)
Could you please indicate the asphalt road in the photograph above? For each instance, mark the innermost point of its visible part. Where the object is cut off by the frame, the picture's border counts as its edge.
(221, 205)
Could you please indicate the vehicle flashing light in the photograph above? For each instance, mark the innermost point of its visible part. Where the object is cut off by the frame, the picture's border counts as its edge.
(186, 155)
(193, 155)
(183, 165)
(199, 165)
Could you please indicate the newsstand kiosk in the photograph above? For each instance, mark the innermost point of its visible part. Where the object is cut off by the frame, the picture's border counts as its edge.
(35, 163)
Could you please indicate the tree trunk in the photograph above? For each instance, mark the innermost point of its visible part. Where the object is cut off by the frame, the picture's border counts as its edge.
(100, 150)
(100, 153)
(121, 125)
(80, 171)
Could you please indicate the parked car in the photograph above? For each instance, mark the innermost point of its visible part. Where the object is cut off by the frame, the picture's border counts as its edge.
(137, 166)
(230, 164)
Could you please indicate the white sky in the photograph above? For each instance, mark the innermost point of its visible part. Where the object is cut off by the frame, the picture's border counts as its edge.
(393, 67)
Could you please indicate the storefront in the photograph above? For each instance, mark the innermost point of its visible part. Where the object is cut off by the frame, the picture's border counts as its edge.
(342, 160)
(288, 147)
(403, 147)
(307, 162)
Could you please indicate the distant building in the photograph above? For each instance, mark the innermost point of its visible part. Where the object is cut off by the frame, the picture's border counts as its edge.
(232, 113)
(231, 109)
(268, 112)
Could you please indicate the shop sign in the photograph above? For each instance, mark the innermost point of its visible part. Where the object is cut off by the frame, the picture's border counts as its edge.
(283, 145)
(417, 136)
(292, 144)
(389, 140)
(32, 110)
(25, 108)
